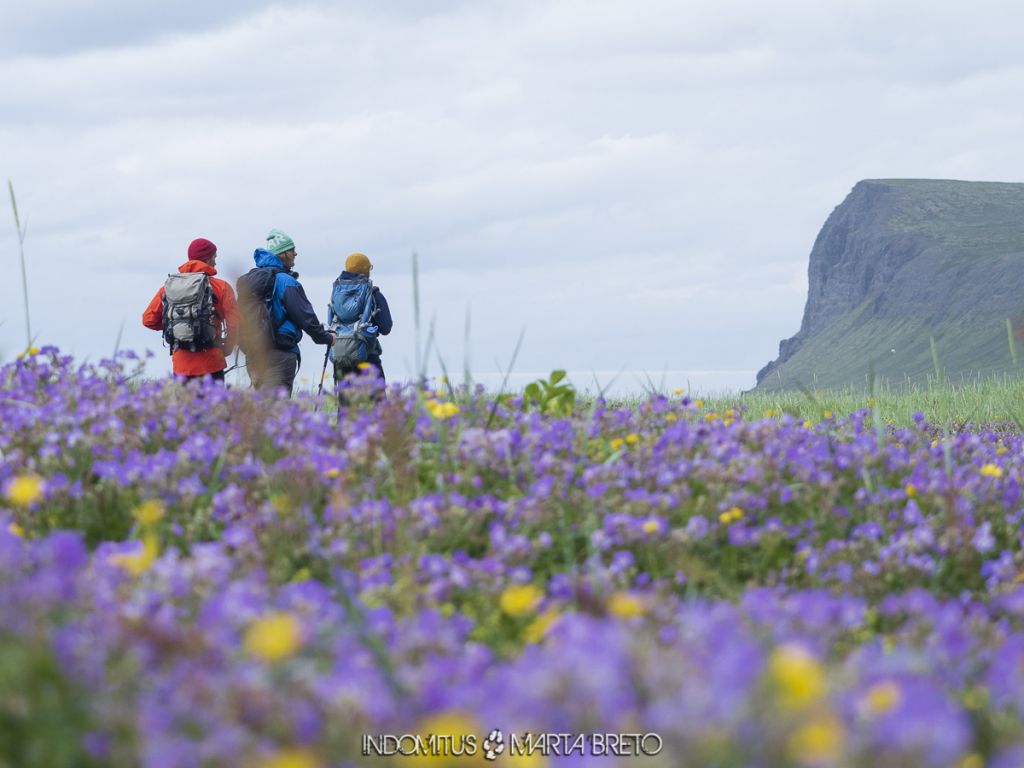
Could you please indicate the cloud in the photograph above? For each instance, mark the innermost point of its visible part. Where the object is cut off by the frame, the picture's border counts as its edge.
(61, 27)
(549, 161)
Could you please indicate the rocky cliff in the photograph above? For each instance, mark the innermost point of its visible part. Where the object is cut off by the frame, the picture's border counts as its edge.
(900, 263)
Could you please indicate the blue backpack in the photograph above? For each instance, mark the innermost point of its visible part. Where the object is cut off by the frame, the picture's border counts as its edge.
(350, 315)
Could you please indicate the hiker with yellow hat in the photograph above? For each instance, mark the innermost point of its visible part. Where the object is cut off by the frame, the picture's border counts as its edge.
(358, 314)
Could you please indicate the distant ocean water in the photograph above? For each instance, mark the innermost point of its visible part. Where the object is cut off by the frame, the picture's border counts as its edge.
(629, 382)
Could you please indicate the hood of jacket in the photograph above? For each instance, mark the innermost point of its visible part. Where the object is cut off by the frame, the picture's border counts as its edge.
(265, 258)
(195, 265)
(345, 275)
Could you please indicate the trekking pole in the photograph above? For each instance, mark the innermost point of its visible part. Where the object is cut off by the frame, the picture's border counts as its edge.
(322, 374)
(233, 367)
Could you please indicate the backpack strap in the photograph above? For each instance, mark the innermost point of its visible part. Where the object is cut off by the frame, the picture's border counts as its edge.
(370, 309)
(270, 301)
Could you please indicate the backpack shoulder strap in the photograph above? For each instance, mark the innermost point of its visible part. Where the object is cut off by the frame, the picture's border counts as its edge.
(371, 307)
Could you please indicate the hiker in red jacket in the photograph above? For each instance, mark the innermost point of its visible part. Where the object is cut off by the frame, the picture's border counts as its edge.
(200, 324)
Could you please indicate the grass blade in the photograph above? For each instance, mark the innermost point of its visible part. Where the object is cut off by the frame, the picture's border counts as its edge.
(504, 381)
(1013, 343)
(21, 250)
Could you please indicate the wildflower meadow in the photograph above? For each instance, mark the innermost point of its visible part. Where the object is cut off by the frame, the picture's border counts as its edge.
(199, 576)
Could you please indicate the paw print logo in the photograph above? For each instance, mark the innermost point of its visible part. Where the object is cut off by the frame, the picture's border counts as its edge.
(494, 745)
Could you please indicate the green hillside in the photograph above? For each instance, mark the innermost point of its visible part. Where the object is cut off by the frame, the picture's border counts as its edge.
(901, 263)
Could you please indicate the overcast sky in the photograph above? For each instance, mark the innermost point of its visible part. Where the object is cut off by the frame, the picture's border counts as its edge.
(637, 183)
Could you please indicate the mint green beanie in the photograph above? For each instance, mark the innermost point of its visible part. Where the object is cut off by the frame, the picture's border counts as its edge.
(278, 242)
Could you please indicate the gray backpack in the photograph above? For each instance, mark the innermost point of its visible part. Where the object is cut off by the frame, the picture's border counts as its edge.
(189, 320)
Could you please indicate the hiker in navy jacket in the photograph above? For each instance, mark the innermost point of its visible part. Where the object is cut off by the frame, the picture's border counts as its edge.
(291, 314)
(357, 269)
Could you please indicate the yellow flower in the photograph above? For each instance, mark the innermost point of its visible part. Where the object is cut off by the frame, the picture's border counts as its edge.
(731, 515)
(363, 366)
(25, 490)
(520, 599)
(525, 759)
(538, 628)
(710, 416)
(771, 413)
(138, 562)
(991, 470)
(30, 352)
(727, 422)
(282, 503)
(16, 530)
(632, 438)
(457, 724)
(799, 676)
(1001, 451)
(149, 512)
(652, 526)
(625, 605)
(827, 414)
(332, 473)
(882, 698)
(617, 443)
(910, 489)
(975, 698)
(871, 402)
(699, 403)
(808, 424)
(670, 417)
(273, 637)
(291, 757)
(679, 392)
(818, 741)
(440, 410)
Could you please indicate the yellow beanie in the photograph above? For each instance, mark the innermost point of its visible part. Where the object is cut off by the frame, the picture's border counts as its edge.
(358, 263)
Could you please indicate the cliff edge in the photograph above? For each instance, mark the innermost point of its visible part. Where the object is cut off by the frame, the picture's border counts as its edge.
(901, 262)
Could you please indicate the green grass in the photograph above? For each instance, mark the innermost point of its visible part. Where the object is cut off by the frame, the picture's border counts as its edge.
(982, 400)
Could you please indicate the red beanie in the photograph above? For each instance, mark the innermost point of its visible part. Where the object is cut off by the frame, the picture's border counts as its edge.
(201, 249)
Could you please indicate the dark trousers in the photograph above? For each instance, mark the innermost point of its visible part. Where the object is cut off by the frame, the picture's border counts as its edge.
(217, 376)
(277, 370)
(341, 373)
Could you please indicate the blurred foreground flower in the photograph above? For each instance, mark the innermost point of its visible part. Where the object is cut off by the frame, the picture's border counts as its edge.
(273, 637)
(439, 410)
(819, 742)
(625, 605)
(520, 599)
(290, 758)
(149, 512)
(25, 490)
(798, 676)
(139, 562)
